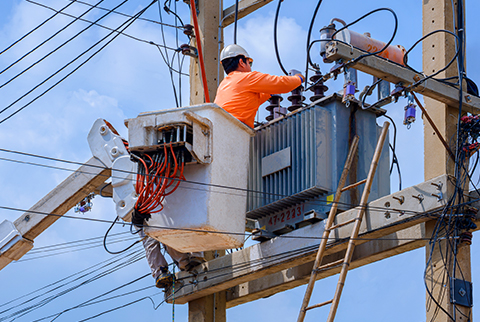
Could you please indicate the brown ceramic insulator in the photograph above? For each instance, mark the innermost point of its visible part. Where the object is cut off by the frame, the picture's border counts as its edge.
(296, 98)
(274, 100)
(188, 30)
(318, 89)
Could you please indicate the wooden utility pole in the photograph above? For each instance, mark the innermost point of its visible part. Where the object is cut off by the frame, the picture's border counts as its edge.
(438, 50)
(209, 17)
(212, 307)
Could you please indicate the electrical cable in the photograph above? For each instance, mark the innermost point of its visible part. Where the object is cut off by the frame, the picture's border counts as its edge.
(166, 58)
(124, 26)
(58, 47)
(405, 56)
(102, 295)
(275, 42)
(37, 27)
(393, 147)
(423, 214)
(309, 35)
(200, 52)
(57, 252)
(363, 17)
(120, 251)
(100, 272)
(105, 263)
(258, 194)
(101, 301)
(168, 64)
(235, 23)
(46, 41)
(125, 15)
(128, 304)
(167, 9)
(179, 62)
(75, 243)
(102, 26)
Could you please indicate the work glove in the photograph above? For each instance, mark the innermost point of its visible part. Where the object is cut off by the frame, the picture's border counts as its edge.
(293, 72)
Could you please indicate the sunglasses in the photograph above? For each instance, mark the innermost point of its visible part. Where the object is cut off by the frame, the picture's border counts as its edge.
(249, 60)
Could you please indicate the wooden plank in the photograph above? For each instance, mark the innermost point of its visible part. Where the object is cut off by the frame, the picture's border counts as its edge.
(394, 73)
(245, 7)
(372, 251)
(383, 217)
(64, 197)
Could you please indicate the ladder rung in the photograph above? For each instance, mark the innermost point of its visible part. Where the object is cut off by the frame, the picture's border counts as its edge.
(353, 185)
(331, 264)
(318, 305)
(343, 224)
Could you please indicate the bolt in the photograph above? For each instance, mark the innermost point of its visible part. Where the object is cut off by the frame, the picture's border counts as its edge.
(400, 199)
(387, 214)
(439, 196)
(121, 204)
(103, 130)
(115, 152)
(468, 98)
(27, 218)
(419, 197)
(438, 185)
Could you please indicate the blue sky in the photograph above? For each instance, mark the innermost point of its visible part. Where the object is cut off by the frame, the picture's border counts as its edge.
(130, 77)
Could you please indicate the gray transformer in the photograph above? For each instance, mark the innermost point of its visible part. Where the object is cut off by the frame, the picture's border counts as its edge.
(296, 162)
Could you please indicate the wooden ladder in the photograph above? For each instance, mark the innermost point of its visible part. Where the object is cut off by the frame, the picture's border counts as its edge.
(329, 226)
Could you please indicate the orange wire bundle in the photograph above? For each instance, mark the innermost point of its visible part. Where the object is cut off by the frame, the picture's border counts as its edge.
(159, 175)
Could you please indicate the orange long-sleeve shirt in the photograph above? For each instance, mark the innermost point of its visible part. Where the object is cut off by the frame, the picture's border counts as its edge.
(242, 93)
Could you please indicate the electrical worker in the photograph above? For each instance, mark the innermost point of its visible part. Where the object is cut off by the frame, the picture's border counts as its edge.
(156, 260)
(158, 264)
(242, 91)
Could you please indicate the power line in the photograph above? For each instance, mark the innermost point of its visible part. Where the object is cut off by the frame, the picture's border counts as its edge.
(129, 16)
(123, 26)
(43, 43)
(102, 26)
(37, 27)
(100, 270)
(259, 194)
(199, 230)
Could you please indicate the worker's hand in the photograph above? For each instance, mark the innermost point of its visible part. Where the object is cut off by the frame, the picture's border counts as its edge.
(295, 72)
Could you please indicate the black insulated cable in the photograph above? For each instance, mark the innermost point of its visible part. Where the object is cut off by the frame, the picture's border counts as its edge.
(363, 17)
(235, 23)
(37, 27)
(309, 36)
(122, 27)
(120, 251)
(125, 15)
(46, 41)
(101, 26)
(275, 41)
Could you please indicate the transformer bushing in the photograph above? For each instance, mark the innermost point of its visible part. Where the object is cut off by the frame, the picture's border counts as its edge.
(318, 89)
(466, 237)
(274, 108)
(296, 98)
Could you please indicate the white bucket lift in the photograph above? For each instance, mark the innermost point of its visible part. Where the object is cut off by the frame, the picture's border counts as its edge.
(213, 196)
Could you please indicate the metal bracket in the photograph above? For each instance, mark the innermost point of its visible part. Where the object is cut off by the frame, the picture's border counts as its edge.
(202, 136)
(461, 292)
(107, 145)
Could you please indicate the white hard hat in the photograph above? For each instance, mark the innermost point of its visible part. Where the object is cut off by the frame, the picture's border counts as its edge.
(234, 50)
